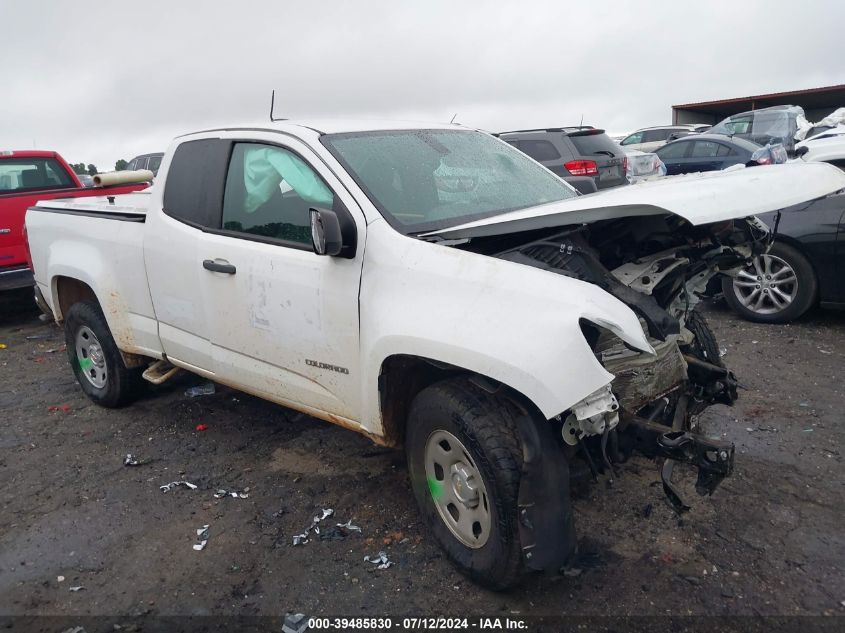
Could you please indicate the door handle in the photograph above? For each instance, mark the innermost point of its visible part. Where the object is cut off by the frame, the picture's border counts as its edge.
(218, 267)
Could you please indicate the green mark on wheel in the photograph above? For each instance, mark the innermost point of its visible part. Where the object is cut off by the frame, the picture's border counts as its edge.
(85, 363)
(435, 487)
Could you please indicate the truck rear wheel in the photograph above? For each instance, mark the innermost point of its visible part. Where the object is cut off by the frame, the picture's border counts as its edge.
(95, 359)
(465, 460)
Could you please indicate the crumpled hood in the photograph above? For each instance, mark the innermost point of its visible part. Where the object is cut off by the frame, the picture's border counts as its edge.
(700, 198)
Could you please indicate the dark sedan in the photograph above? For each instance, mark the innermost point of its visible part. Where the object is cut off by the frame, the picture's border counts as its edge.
(705, 152)
(805, 266)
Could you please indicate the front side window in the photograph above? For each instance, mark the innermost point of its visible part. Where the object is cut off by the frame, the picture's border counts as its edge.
(28, 174)
(636, 137)
(424, 180)
(269, 191)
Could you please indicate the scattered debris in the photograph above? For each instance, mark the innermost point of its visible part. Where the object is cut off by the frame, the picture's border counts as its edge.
(572, 572)
(78, 588)
(130, 460)
(231, 493)
(379, 561)
(349, 526)
(202, 537)
(176, 484)
(807, 431)
(824, 351)
(53, 350)
(60, 579)
(202, 427)
(38, 337)
(206, 389)
(333, 534)
(2, 346)
(65, 408)
(302, 539)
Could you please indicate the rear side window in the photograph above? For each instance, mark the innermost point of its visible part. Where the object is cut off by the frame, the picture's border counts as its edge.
(673, 150)
(193, 190)
(724, 150)
(704, 149)
(154, 163)
(539, 150)
(30, 174)
(269, 191)
(589, 144)
(652, 136)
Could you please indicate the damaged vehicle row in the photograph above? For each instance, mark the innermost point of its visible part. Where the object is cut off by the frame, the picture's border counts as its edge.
(429, 287)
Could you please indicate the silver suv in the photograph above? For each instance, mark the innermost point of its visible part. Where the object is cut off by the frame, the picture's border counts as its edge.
(649, 139)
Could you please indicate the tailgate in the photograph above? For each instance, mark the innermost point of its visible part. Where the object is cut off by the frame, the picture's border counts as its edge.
(597, 146)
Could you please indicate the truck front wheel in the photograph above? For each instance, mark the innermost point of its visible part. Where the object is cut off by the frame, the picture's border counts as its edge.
(95, 359)
(465, 459)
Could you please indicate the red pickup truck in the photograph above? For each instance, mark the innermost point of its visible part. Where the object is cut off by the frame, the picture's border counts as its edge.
(25, 178)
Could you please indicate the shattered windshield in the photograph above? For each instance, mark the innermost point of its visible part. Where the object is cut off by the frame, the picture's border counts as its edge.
(424, 180)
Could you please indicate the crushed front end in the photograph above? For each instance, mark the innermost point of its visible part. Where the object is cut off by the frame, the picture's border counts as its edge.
(660, 266)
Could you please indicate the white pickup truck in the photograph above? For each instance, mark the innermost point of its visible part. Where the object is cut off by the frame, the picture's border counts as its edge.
(427, 286)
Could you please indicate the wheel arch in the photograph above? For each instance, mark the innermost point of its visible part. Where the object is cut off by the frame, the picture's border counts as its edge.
(801, 248)
(403, 376)
(68, 290)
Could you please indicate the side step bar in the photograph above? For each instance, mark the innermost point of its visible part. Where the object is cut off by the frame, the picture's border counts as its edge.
(160, 371)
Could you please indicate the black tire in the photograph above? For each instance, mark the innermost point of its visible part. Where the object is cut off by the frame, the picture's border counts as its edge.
(122, 385)
(805, 296)
(704, 345)
(486, 427)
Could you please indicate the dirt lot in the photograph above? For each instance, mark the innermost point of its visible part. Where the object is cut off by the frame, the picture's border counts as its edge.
(770, 541)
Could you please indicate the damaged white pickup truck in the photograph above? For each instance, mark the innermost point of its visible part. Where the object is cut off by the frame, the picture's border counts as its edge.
(427, 286)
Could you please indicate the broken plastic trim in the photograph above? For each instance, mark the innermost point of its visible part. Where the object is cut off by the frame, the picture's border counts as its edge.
(594, 415)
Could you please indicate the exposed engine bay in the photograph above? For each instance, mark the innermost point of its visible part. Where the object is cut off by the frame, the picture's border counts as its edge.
(659, 266)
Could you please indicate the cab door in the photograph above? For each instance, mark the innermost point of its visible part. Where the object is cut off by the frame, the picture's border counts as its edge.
(283, 320)
(191, 204)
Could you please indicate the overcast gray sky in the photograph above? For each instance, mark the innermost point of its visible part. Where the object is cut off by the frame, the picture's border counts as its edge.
(103, 81)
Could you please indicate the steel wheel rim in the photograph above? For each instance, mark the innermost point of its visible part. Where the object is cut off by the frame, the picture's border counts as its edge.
(457, 489)
(89, 355)
(767, 285)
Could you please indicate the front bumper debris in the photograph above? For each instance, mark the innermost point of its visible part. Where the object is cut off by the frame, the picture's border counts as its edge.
(713, 458)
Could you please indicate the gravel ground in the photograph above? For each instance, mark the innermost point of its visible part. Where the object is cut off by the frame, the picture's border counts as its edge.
(769, 542)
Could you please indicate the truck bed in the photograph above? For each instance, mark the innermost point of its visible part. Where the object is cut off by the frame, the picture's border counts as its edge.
(133, 205)
(98, 241)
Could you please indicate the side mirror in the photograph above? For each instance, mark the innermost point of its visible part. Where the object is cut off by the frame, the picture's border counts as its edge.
(800, 151)
(332, 233)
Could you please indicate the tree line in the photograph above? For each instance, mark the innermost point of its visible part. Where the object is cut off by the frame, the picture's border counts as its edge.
(91, 169)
